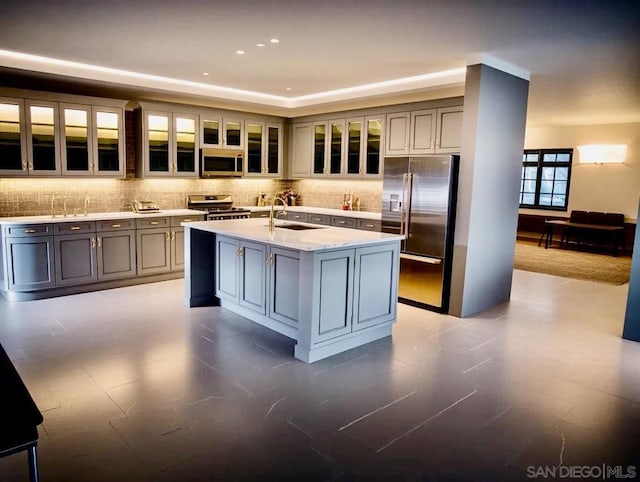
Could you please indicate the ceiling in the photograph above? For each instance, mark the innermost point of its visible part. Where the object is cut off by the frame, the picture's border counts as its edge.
(581, 56)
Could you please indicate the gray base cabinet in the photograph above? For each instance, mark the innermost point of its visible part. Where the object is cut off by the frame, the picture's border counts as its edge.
(116, 254)
(284, 285)
(154, 248)
(75, 258)
(30, 263)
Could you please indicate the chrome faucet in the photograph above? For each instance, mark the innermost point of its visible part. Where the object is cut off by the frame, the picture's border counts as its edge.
(53, 205)
(283, 212)
(64, 206)
(86, 205)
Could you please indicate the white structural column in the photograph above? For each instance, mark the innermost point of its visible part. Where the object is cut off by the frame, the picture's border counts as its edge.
(495, 107)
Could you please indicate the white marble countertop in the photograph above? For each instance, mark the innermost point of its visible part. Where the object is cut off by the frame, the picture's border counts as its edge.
(321, 238)
(96, 216)
(315, 210)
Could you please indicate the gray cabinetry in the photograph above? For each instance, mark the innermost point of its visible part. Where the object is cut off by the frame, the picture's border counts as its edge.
(260, 214)
(75, 258)
(343, 222)
(29, 257)
(284, 285)
(300, 158)
(116, 254)
(176, 237)
(320, 219)
(227, 268)
(296, 216)
(153, 250)
(369, 224)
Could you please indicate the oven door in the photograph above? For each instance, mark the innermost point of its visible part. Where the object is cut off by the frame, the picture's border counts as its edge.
(215, 163)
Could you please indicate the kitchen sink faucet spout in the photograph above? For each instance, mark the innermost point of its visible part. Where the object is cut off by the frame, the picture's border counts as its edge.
(283, 212)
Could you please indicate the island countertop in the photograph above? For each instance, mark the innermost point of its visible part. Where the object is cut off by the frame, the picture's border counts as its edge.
(317, 239)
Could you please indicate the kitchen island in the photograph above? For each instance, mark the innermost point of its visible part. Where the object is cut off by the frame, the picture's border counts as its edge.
(330, 289)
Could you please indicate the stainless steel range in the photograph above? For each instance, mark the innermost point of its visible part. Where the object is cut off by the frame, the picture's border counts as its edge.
(217, 206)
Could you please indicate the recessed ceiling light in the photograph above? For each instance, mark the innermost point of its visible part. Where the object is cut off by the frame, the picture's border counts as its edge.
(259, 45)
(205, 73)
(288, 88)
(240, 52)
(274, 41)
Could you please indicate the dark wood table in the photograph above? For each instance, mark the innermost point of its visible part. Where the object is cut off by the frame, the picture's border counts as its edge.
(614, 232)
(20, 416)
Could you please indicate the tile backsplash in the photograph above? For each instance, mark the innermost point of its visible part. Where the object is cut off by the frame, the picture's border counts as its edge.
(28, 197)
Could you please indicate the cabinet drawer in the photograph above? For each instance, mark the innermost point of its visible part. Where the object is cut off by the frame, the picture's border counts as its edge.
(259, 214)
(115, 225)
(24, 230)
(369, 224)
(152, 223)
(176, 220)
(319, 219)
(343, 222)
(75, 228)
(302, 217)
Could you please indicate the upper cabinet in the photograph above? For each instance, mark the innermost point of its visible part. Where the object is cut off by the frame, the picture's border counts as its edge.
(49, 138)
(263, 148)
(169, 145)
(427, 131)
(222, 132)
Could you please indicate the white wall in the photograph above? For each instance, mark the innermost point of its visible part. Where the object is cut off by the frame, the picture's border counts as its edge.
(595, 187)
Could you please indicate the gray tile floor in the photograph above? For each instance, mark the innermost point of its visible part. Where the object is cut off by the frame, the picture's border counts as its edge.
(136, 387)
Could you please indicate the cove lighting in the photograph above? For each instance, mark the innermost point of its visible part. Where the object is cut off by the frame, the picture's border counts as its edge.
(602, 153)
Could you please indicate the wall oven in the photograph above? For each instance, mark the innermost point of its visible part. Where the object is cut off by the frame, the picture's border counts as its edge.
(221, 162)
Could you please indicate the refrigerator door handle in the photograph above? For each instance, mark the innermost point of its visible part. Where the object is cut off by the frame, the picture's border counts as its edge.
(407, 187)
(403, 203)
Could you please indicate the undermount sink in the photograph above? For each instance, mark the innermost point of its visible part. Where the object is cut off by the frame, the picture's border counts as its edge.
(297, 227)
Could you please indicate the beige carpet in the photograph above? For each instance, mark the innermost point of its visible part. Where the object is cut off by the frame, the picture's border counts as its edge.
(569, 263)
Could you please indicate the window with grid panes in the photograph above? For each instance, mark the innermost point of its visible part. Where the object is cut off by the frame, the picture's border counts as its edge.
(544, 183)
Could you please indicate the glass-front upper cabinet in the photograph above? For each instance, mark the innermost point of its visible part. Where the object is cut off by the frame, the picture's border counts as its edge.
(336, 146)
(319, 147)
(108, 145)
(232, 134)
(254, 147)
(374, 142)
(75, 139)
(42, 138)
(274, 149)
(186, 146)
(13, 149)
(221, 133)
(211, 131)
(170, 144)
(354, 145)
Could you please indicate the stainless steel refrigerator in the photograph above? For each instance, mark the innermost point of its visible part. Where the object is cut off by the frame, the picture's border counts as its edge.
(419, 201)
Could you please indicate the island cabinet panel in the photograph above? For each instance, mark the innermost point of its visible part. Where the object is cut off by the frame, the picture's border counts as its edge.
(153, 250)
(252, 279)
(226, 268)
(75, 258)
(375, 286)
(284, 285)
(333, 293)
(30, 262)
(116, 254)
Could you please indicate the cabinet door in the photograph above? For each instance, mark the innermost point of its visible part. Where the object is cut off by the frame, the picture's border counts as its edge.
(157, 143)
(76, 140)
(332, 294)
(374, 143)
(13, 145)
(75, 256)
(397, 143)
(423, 132)
(43, 143)
(320, 153)
(301, 150)
(232, 136)
(252, 257)
(109, 157)
(211, 131)
(284, 277)
(30, 263)
(116, 254)
(254, 148)
(449, 131)
(185, 151)
(336, 146)
(153, 250)
(355, 145)
(273, 147)
(227, 250)
(375, 285)
(177, 249)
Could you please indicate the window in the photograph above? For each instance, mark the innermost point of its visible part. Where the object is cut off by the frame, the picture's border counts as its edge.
(545, 178)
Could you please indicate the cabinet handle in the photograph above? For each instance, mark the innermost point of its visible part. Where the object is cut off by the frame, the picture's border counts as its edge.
(240, 252)
(168, 236)
(187, 220)
(93, 243)
(29, 231)
(31, 166)
(154, 223)
(173, 235)
(342, 222)
(368, 225)
(24, 165)
(116, 225)
(74, 228)
(437, 145)
(99, 242)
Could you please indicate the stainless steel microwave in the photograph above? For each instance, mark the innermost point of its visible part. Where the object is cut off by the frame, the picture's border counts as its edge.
(221, 162)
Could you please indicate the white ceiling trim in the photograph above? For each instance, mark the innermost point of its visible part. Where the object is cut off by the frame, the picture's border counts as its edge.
(37, 63)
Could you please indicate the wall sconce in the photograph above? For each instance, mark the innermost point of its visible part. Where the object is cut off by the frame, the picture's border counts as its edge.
(602, 153)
